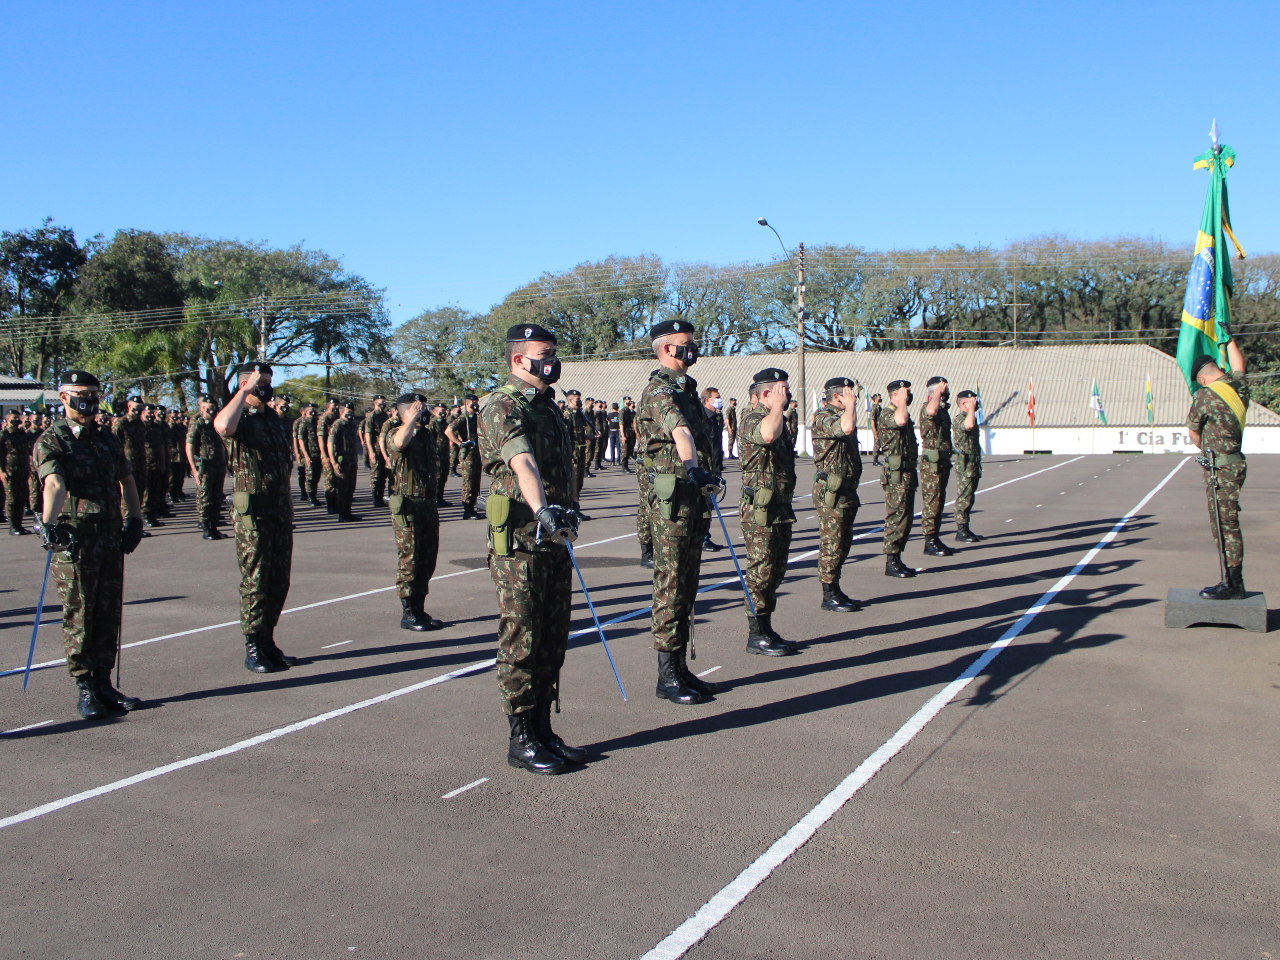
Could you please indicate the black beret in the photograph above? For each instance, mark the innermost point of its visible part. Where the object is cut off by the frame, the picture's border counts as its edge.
(897, 384)
(965, 394)
(150, 406)
(407, 398)
(253, 366)
(161, 407)
(933, 380)
(770, 375)
(378, 396)
(573, 393)
(1199, 362)
(80, 379)
(471, 396)
(348, 405)
(667, 327)
(529, 331)
(134, 399)
(837, 382)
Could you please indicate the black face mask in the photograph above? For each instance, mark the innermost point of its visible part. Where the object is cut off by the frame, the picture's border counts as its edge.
(84, 403)
(946, 396)
(264, 392)
(911, 398)
(686, 353)
(548, 371)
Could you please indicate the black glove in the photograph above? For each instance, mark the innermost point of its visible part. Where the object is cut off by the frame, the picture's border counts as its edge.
(705, 479)
(132, 534)
(557, 523)
(56, 536)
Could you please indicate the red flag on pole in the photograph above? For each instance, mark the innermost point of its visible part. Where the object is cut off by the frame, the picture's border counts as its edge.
(1031, 400)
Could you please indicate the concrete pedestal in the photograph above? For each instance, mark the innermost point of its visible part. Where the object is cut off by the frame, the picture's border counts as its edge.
(1186, 607)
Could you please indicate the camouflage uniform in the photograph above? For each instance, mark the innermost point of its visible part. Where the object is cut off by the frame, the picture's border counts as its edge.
(876, 410)
(263, 509)
(131, 431)
(378, 468)
(838, 466)
(345, 440)
(35, 487)
(15, 456)
(792, 420)
(899, 479)
(324, 423)
(306, 429)
(768, 485)
(156, 455)
(210, 455)
(934, 467)
(731, 424)
(579, 432)
(533, 580)
(414, 517)
(177, 459)
(465, 426)
(383, 440)
(1221, 432)
(968, 464)
(679, 515)
(438, 423)
(90, 576)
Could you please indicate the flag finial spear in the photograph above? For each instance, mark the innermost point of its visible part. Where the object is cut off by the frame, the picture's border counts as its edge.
(1213, 135)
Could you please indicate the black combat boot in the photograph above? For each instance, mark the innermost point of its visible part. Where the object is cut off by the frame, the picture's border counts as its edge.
(833, 599)
(328, 503)
(302, 496)
(671, 682)
(113, 697)
(766, 624)
(152, 520)
(1231, 587)
(894, 567)
(378, 503)
(526, 752)
(691, 680)
(441, 502)
(759, 641)
(709, 544)
(256, 656)
(90, 705)
(469, 512)
(16, 529)
(346, 516)
(551, 740)
(409, 619)
(313, 500)
(933, 547)
(646, 555)
(965, 535)
(420, 609)
(278, 656)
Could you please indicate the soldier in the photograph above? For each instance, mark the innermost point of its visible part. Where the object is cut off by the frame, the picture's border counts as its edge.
(876, 407)
(177, 456)
(207, 457)
(580, 430)
(414, 517)
(935, 463)
(838, 465)
(86, 476)
(323, 425)
(615, 434)
(343, 448)
(525, 448)
(131, 431)
(968, 462)
(768, 485)
(711, 406)
(676, 442)
(1216, 424)
(731, 426)
(602, 432)
(793, 422)
(155, 445)
(371, 430)
(263, 510)
(898, 475)
(389, 426)
(627, 420)
(15, 468)
(35, 488)
(306, 453)
(462, 433)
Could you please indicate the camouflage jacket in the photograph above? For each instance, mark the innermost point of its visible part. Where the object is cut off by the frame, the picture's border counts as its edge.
(306, 429)
(731, 420)
(519, 418)
(670, 400)
(91, 462)
(1216, 423)
(206, 446)
(897, 441)
(792, 418)
(371, 429)
(875, 416)
(415, 468)
(935, 431)
(968, 449)
(324, 422)
(580, 428)
(767, 466)
(177, 441)
(15, 451)
(466, 426)
(835, 453)
(344, 437)
(155, 443)
(259, 456)
(131, 432)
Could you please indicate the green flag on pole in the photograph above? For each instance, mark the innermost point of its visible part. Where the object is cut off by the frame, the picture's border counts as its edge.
(1149, 401)
(1095, 404)
(1206, 308)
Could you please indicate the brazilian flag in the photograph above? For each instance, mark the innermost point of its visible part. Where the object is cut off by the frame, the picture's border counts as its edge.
(1206, 309)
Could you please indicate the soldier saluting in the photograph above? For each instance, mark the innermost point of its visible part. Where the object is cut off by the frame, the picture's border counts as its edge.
(414, 516)
(838, 470)
(1216, 424)
(968, 462)
(935, 463)
(898, 476)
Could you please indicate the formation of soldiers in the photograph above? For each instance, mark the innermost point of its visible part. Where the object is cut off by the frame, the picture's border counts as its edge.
(536, 450)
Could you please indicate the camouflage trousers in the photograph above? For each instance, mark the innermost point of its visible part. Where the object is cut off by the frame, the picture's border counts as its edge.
(766, 548)
(966, 489)
(535, 600)
(628, 449)
(310, 476)
(933, 494)
(91, 584)
(342, 488)
(677, 561)
(378, 475)
(442, 475)
(469, 463)
(17, 491)
(835, 534)
(264, 549)
(177, 478)
(209, 483)
(417, 533)
(644, 510)
(899, 507)
(1230, 481)
(35, 493)
(153, 500)
(579, 469)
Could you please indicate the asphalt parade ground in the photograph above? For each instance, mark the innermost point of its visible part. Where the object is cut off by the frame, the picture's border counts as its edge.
(1008, 756)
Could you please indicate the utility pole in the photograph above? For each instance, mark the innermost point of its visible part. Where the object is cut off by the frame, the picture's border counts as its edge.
(262, 326)
(801, 316)
(1015, 306)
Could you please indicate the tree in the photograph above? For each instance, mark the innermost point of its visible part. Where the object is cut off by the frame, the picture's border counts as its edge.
(38, 269)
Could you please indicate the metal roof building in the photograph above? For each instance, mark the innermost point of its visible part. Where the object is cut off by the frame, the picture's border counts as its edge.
(19, 392)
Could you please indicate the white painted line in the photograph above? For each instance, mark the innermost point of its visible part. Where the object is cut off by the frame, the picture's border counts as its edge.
(340, 643)
(474, 783)
(226, 751)
(1038, 505)
(704, 673)
(30, 726)
(1010, 520)
(685, 936)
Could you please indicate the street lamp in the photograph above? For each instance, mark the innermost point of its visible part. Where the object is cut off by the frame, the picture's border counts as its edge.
(801, 313)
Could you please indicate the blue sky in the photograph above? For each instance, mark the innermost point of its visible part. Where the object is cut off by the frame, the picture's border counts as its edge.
(452, 152)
